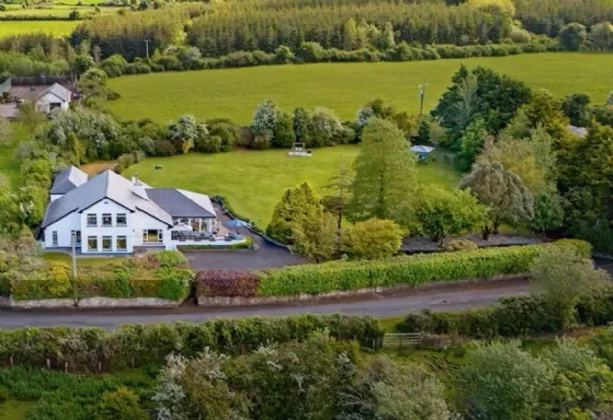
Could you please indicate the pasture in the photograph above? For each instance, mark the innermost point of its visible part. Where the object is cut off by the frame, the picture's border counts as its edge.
(60, 11)
(254, 181)
(343, 87)
(52, 27)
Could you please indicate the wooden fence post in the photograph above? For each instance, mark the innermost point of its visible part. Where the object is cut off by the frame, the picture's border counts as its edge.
(48, 363)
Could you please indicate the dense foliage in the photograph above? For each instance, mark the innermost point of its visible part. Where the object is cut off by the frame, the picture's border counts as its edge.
(405, 270)
(139, 345)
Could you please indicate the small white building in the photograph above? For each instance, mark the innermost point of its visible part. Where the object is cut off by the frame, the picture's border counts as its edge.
(44, 98)
(111, 214)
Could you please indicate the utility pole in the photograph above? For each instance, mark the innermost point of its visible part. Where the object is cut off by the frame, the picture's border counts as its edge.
(422, 93)
(147, 47)
(74, 255)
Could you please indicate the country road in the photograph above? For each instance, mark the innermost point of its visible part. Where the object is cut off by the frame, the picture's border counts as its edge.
(448, 297)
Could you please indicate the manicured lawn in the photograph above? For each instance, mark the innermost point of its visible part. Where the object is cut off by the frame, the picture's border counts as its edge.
(53, 27)
(9, 166)
(254, 181)
(343, 87)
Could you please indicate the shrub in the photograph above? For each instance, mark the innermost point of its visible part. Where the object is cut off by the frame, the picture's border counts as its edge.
(121, 404)
(227, 283)
(460, 245)
(373, 239)
(405, 270)
(169, 259)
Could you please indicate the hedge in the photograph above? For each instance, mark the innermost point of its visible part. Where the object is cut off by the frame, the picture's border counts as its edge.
(164, 274)
(230, 283)
(405, 270)
(139, 345)
(511, 317)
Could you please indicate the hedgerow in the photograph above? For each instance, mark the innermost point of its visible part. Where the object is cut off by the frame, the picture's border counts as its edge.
(405, 270)
(511, 317)
(227, 283)
(163, 274)
(139, 345)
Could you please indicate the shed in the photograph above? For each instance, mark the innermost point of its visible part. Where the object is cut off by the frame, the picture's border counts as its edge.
(423, 152)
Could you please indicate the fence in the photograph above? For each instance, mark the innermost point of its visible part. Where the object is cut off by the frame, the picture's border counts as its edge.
(399, 341)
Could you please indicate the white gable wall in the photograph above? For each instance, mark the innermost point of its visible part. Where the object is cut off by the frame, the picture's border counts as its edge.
(64, 228)
(106, 206)
(143, 221)
(43, 104)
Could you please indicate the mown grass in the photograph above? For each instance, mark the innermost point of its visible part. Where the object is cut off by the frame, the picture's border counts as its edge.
(81, 261)
(343, 87)
(254, 181)
(60, 11)
(52, 27)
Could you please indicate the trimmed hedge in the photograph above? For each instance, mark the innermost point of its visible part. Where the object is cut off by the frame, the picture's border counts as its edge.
(227, 283)
(511, 317)
(405, 270)
(139, 345)
(164, 274)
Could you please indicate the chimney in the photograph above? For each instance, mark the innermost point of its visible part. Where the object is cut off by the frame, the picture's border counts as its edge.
(138, 188)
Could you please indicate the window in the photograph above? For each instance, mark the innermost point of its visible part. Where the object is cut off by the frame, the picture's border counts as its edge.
(92, 243)
(121, 219)
(107, 220)
(122, 243)
(75, 235)
(107, 243)
(92, 220)
(152, 236)
(54, 238)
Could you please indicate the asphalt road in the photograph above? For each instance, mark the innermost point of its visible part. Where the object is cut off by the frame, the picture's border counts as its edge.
(448, 297)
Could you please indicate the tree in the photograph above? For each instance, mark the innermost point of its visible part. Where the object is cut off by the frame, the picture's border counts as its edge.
(562, 277)
(186, 131)
(385, 174)
(496, 99)
(93, 84)
(315, 236)
(518, 157)
(73, 145)
(265, 118)
(283, 135)
(29, 116)
(582, 383)
(503, 382)
(573, 36)
(339, 187)
(82, 63)
(302, 119)
(548, 212)
(325, 128)
(576, 108)
(601, 35)
(442, 213)
(373, 239)
(297, 204)
(503, 192)
(121, 404)
(471, 143)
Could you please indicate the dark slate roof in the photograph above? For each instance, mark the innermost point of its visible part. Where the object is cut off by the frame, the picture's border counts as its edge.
(106, 185)
(578, 131)
(67, 180)
(179, 203)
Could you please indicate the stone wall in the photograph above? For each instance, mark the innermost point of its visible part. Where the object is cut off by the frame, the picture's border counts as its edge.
(92, 302)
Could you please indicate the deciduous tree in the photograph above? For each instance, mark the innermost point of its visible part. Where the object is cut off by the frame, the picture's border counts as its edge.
(385, 174)
(573, 36)
(601, 35)
(503, 192)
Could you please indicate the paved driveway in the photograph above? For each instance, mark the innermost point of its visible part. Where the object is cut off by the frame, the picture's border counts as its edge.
(267, 255)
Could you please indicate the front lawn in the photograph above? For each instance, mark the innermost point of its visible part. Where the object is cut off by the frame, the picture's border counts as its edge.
(254, 181)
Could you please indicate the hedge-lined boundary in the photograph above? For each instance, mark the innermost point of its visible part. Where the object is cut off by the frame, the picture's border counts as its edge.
(415, 270)
(91, 349)
(510, 317)
(165, 275)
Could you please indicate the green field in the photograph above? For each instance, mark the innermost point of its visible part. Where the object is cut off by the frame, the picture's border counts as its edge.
(253, 181)
(344, 87)
(60, 11)
(53, 27)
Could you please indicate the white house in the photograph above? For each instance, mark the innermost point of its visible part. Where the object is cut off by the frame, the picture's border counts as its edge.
(110, 214)
(45, 98)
